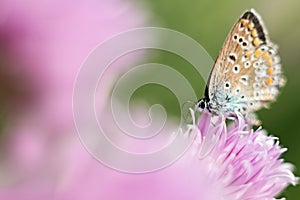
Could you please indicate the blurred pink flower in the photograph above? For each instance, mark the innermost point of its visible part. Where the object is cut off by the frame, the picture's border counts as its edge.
(46, 42)
(43, 44)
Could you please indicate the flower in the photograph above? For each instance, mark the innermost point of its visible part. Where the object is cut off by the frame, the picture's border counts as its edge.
(241, 163)
(43, 45)
(228, 163)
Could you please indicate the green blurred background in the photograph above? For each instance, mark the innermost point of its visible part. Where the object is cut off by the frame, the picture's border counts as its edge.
(209, 22)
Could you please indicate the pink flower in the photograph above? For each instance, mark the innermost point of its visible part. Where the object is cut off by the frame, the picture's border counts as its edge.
(242, 163)
(222, 163)
(43, 44)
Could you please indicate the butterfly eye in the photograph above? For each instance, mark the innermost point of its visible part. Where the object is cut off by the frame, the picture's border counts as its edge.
(201, 105)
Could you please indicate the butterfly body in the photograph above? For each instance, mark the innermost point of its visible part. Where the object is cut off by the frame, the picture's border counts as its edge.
(247, 73)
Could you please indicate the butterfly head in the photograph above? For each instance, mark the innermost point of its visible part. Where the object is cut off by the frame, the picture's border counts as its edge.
(202, 104)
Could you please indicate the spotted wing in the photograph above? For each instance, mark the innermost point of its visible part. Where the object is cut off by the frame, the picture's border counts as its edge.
(247, 74)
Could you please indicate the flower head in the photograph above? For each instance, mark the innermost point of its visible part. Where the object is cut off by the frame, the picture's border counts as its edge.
(241, 163)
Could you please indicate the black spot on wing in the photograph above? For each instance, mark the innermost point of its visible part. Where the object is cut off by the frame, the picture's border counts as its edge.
(232, 57)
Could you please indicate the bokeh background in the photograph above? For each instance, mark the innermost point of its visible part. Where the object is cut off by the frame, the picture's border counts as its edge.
(42, 45)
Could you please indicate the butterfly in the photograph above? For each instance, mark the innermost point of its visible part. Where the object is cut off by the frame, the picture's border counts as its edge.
(247, 74)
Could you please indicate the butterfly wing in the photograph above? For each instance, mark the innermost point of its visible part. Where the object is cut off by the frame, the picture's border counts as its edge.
(247, 74)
